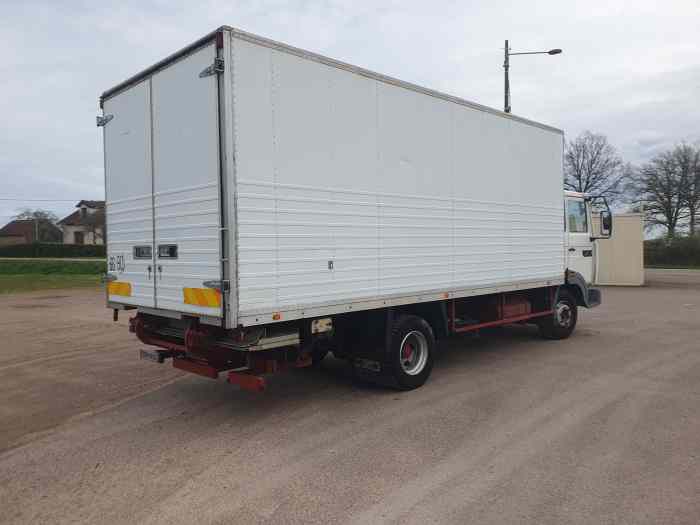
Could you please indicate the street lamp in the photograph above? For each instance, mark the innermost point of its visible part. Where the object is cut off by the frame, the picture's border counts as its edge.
(506, 66)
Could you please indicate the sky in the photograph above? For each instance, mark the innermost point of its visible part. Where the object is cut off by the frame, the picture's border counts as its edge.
(629, 70)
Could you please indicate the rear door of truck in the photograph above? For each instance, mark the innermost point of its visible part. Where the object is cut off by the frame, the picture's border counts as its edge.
(163, 189)
(129, 197)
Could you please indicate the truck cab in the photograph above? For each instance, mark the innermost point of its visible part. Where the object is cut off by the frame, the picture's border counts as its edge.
(580, 237)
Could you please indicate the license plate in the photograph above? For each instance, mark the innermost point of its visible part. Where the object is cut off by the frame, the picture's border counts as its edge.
(150, 356)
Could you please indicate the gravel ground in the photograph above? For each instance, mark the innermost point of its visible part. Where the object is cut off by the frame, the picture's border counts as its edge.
(601, 428)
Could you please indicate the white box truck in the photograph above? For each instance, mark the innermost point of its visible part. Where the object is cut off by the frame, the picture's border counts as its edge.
(266, 205)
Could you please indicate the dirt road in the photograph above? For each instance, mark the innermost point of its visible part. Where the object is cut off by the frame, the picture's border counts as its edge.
(601, 428)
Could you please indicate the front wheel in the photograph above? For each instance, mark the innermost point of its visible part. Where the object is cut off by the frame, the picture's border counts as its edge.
(562, 322)
(411, 352)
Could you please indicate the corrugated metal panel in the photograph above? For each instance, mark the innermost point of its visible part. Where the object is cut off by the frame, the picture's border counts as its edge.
(349, 187)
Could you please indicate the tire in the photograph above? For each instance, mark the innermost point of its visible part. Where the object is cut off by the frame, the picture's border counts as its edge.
(562, 322)
(319, 352)
(411, 352)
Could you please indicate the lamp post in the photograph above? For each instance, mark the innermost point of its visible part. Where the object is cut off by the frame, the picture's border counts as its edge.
(506, 66)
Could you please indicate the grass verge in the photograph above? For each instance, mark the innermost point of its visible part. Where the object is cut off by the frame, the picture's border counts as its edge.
(39, 267)
(30, 282)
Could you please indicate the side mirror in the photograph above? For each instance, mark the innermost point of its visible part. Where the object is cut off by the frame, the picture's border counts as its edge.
(606, 224)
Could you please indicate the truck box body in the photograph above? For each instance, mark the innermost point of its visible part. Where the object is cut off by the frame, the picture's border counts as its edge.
(312, 187)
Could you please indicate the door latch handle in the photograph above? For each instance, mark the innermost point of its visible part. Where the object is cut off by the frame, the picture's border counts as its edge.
(572, 249)
(160, 272)
(150, 269)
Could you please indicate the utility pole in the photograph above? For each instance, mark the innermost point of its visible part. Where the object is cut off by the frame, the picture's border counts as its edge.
(506, 66)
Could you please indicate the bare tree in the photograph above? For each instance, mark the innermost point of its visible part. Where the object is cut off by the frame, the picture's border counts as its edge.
(39, 214)
(95, 223)
(687, 160)
(660, 185)
(592, 165)
(44, 224)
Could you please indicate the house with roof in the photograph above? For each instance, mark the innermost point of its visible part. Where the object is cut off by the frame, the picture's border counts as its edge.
(86, 225)
(27, 231)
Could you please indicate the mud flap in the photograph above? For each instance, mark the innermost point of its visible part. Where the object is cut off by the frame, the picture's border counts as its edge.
(594, 297)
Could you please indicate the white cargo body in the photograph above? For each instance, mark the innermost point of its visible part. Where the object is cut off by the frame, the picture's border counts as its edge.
(311, 187)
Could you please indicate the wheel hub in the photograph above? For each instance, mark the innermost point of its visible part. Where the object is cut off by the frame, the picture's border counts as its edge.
(407, 352)
(414, 353)
(563, 312)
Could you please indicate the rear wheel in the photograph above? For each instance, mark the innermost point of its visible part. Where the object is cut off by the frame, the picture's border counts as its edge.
(562, 322)
(411, 352)
(320, 350)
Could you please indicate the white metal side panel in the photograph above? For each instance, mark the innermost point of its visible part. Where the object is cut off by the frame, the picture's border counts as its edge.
(413, 185)
(508, 194)
(537, 236)
(255, 175)
(481, 229)
(186, 181)
(127, 143)
(351, 189)
(304, 138)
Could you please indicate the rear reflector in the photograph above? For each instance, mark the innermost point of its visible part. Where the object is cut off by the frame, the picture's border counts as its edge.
(119, 288)
(248, 382)
(206, 297)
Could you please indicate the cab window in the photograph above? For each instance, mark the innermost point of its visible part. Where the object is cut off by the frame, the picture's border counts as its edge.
(576, 219)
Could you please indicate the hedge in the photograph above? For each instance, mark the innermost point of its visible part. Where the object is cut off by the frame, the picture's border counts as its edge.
(680, 252)
(38, 266)
(52, 250)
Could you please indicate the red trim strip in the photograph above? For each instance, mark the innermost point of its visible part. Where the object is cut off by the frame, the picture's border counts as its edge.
(510, 320)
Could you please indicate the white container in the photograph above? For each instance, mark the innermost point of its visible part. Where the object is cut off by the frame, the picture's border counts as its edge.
(313, 187)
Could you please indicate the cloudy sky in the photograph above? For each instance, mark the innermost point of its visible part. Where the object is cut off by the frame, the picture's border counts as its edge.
(630, 70)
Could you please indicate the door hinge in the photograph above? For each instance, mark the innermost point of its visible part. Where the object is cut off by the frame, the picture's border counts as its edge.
(216, 67)
(222, 286)
(101, 121)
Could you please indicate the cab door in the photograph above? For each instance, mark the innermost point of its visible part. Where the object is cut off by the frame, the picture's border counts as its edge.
(579, 244)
